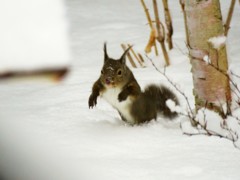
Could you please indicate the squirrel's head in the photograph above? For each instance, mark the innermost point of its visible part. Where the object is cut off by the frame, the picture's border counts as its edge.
(114, 71)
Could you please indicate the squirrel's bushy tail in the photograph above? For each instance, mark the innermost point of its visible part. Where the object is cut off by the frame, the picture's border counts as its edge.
(153, 102)
(159, 96)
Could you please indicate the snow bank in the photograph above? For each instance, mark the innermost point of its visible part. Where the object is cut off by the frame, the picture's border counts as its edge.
(172, 106)
(47, 132)
(33, 35)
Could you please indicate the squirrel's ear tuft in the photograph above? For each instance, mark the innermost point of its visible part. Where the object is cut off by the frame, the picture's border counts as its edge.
(105, 51)
(123, 57)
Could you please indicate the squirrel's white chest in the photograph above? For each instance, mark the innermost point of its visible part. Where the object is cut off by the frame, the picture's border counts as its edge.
(111, 96)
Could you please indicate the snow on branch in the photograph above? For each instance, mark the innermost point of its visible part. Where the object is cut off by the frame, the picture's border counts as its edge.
(218, 42)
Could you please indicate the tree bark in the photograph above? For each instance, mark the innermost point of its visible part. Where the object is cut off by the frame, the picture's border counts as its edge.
(211, 86)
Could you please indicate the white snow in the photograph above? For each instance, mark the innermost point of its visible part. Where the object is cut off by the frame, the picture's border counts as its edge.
(218, 42)
(172, 106)
(47, 131)
(33, 35)
(206, 59)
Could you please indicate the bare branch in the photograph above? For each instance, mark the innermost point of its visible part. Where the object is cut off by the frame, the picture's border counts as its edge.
(140, 57)
(180, 50)
(182, 3)
(229, 17)
(135, 56)
(161, 33)
(150, 23)
(190, 112)
(129, 56)
(238, 76)
(203, 127)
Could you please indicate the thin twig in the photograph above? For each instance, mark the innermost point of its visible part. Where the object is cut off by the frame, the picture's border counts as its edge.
(191, 115)
(238, 76)
(232, 135)
(135, 55)
(129, 56)
(180, 50)
(182, 3)
(229, 17)
(140, 57)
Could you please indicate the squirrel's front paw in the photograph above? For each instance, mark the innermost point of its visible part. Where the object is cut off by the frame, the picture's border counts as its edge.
(92, 101)
(122, 97)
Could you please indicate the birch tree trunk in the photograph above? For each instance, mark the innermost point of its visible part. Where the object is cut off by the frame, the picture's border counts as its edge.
(211, 82)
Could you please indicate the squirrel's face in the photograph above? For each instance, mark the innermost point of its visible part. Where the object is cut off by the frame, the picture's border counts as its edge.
(114, 72)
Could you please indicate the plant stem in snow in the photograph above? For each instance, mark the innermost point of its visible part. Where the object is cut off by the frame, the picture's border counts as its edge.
(136, 57)
(168, 21)
(190, 112)
(229, 18)
(182, 3)
(150, 24)
(161, 33)
(129, 56)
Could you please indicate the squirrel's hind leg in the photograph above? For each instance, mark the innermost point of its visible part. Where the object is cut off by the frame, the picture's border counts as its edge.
(144, 109)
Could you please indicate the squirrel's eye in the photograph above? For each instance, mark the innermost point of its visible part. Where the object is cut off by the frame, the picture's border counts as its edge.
(119, 72)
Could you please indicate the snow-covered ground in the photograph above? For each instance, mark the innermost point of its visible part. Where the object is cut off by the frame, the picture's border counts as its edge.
(31, 33)
(47, 131)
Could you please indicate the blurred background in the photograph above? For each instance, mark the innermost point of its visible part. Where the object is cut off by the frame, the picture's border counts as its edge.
(51, 52)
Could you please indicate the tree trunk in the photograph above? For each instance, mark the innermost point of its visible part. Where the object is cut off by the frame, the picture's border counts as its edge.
(211, 82)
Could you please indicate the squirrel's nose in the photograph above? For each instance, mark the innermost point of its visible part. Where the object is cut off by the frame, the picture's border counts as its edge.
(108, 80)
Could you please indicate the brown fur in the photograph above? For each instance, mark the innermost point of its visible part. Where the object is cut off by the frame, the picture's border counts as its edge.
(146, 105)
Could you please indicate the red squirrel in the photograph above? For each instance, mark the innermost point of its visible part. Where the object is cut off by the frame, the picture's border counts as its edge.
(118, 86)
